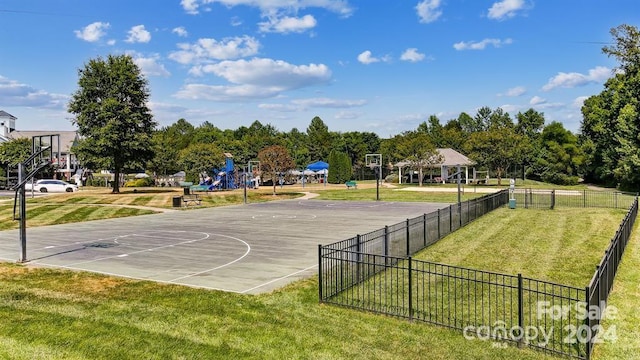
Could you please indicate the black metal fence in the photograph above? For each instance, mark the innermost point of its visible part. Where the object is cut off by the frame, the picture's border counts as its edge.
(550, 199)
(602, 280)
(375, 272)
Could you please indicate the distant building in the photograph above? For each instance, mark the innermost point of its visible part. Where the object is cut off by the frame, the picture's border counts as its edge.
(7, 125)
(67, 163)
(448, 159)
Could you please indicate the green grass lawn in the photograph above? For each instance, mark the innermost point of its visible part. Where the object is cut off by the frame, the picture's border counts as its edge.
(89, 205)
(561, 246)
(386, 194)
(53, 314)
(59, 314)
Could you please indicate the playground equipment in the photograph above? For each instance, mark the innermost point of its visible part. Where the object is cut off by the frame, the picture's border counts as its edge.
(224, 178)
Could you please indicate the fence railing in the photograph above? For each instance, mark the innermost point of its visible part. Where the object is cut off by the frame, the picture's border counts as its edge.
(375, 272)
(408, 237)
(602, 280)
(550, 199)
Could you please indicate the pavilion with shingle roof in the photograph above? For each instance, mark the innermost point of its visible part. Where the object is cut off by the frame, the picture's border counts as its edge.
(449, 159)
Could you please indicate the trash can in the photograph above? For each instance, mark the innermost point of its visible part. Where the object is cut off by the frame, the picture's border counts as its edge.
(187, 190)
(176, 201)
(512, 203)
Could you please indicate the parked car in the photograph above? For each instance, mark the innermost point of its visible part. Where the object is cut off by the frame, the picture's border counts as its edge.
(51, 185)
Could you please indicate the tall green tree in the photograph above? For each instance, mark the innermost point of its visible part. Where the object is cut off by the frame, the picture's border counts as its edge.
(610, 129)
(320, 140)
(469, 124)
(275, 161)
(418, 151)
(197, 159)
(453, 136)
(559, 157)
(340, 169)
(529, 125)
(114, 123)
(497, 149)
(14, 151)
(296, 142)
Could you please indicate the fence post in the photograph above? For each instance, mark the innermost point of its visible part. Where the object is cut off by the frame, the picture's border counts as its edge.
(320, 272)
(407, 232)
(615, 198)
(386, 241)
(450, 219)
(553, 199)
(439, 235)
(584, 198)
(520, 312)
(358, 258)
(526, 204)
(588, 324)
(424, 230)
(410, 290)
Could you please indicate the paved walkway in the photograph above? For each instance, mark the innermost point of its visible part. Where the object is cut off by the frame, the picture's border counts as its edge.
(469, 189)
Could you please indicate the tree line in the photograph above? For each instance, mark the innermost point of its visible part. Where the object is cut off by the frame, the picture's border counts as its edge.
(118, 133)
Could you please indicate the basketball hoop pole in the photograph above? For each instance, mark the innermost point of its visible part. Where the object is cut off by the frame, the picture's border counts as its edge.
(26, 171)
(375, 162)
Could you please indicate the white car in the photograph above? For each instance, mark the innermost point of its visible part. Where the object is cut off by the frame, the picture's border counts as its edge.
(51, 185)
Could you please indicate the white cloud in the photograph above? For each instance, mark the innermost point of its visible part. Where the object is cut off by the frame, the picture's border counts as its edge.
(180, 31)
(571, 80)
(111, 42)
(15, 94)
(206, 50)
(366, 58)
(347, 115)
(329, 103)
(190, 6)
(537, 100)
(579, 101)
(226, 93)
(271, 73)
(340, 7)
(412, 55)
(255, 79)
(482, 44)
(288, 24)
(138, 34)
(515, 91)
(92, 32)
(510, 108)
(279, 107)
(150, 65)
(505, 9)
(428, 10)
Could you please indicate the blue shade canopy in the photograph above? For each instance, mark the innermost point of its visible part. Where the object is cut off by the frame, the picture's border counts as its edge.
(318, 165)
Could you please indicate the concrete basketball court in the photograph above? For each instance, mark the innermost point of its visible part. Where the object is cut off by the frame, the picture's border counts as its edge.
(251, 248)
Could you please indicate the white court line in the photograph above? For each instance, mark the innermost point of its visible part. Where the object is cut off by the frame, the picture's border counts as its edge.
(221, 266)
(340, 205)
(142, 251)
(278, 279)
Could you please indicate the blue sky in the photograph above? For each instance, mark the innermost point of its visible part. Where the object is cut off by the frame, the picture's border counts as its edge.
(365, 65)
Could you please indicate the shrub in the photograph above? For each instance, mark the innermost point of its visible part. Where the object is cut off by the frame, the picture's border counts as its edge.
(144, 182)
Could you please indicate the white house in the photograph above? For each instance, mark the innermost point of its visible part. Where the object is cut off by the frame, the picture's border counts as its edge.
(7, 125)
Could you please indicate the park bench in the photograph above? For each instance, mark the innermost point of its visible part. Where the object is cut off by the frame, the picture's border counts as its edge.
(351, 184)
(191, 199)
